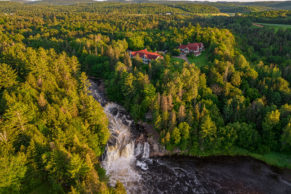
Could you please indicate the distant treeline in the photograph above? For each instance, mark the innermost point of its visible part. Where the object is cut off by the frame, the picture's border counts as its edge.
(115, 8)
(271, 16)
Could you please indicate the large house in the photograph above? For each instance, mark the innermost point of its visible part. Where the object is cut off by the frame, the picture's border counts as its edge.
(195, 48)
(145, 55)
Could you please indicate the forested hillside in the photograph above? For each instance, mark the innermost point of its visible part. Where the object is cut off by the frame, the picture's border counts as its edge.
(116, 8)
(52, 133)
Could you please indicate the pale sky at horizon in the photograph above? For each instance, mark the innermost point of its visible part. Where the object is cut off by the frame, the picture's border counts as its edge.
(241, 0)
(232, 0)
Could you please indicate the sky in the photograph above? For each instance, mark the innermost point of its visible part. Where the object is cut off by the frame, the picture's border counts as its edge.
(206, 0)
(240, 0)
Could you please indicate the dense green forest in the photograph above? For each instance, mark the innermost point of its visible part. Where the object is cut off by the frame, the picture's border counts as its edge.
(52, 132)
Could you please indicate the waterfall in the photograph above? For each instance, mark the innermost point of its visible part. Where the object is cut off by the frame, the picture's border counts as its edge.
(138, 149)
(146, 150)
(120, 159)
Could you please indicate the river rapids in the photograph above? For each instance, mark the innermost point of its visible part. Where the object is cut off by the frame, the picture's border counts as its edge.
(127, 160)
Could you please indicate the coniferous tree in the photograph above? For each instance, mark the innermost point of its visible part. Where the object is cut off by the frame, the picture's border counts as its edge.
(7, 76)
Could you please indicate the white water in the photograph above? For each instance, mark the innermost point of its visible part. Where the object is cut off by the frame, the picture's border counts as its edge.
(146, 150)
(120, 160)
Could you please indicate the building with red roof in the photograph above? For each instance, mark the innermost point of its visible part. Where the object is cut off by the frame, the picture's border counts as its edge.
(195, 48)
(145, 55)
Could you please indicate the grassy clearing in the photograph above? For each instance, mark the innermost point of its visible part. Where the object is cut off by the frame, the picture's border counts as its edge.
(174, 60)
(272, 158)
(276, 26)
(211, 14)
(279, 160)
(275, 159)
(199, 61)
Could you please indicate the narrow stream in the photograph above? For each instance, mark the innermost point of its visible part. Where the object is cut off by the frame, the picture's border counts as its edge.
(127, 160)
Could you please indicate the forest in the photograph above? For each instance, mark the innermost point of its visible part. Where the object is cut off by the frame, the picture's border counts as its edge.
(53, 132)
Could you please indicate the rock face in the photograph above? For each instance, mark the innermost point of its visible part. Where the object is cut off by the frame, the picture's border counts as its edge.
(150, 135)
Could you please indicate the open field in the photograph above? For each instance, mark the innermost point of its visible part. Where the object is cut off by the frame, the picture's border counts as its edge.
(175, 59)
(280, 160)
(275, 159)
(258, 25)
(213, 14)
(199, 61)
(275, 26)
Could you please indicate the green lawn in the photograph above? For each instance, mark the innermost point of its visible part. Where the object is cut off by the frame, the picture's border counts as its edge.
(174, 59)
(199, 61)
(272, 158)
(276, 26)
(275, 159)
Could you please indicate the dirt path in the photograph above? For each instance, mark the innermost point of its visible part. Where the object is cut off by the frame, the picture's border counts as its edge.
(258, 25)
(183, 57)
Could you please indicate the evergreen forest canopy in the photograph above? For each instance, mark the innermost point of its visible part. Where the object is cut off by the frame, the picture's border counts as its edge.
(236, 101)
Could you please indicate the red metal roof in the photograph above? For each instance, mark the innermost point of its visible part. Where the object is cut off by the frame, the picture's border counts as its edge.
(191, 46)
(147, 54)
(182, 46)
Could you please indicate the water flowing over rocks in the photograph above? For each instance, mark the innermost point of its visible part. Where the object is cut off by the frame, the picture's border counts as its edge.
(127, 148)
(134, 157)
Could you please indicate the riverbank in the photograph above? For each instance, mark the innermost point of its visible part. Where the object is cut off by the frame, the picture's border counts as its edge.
(135, 157)
(285, 173)
(272, 159)
(157, 150)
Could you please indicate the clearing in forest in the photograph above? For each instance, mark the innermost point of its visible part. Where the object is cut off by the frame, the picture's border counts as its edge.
(275, 26)
(200, 60)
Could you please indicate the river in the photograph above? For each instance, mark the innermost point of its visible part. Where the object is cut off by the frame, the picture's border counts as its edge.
(127, 159)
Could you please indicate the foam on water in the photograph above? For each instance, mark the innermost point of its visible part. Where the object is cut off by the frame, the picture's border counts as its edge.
(146, 150)
(120, 161)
